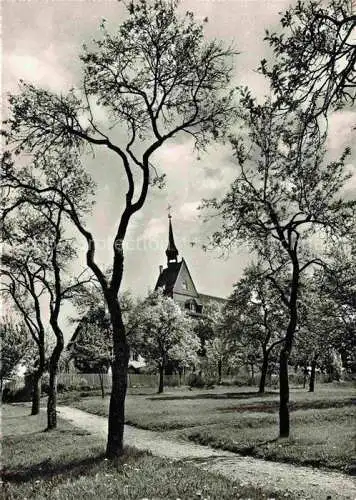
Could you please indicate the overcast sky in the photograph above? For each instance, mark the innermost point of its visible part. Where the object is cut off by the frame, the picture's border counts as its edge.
(41, 43)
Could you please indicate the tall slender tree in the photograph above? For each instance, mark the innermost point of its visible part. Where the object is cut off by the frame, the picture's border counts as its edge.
(156, 77)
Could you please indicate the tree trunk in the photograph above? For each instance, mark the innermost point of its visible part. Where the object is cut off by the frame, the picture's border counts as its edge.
(52, 401)
(305, 375)
(219, 371)
(263, 373)
(36, 393)
(53, 372)
(161, 379)
(312, 375)
(252, 373)
(284, 425)
(121, 351)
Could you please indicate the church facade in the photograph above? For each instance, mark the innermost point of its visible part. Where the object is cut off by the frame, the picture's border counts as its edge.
(177, 282)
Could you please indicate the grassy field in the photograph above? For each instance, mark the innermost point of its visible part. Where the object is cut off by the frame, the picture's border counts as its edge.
(244, 422)
(68, 464)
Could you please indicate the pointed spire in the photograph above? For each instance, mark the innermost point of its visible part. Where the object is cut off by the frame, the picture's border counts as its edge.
(171, 252)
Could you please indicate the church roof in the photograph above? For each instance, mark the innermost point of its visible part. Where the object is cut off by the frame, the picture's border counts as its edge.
(168, 276)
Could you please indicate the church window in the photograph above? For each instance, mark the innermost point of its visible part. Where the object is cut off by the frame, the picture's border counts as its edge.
(184, 285)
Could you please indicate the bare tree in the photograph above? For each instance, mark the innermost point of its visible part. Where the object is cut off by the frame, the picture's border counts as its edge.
(156, 77)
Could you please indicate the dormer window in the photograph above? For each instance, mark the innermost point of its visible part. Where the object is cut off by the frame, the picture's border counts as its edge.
(191, 305)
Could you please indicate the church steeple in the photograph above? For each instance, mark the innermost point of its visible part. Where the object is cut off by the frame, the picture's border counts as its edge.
(171, 252)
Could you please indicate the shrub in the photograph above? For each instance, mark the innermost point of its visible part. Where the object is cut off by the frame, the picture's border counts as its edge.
(17, 395)
(195, 380)
(45, 383)
(210, 383)
(62, 387)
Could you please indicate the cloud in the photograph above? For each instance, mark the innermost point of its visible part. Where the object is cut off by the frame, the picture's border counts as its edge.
(189, 210)
(44, 71)
(341, 131)
(154, 229)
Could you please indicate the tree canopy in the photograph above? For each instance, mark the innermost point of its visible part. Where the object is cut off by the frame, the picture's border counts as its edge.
(164, 333)
(314, 56)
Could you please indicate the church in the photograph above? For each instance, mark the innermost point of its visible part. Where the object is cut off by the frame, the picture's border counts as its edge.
(178, 284)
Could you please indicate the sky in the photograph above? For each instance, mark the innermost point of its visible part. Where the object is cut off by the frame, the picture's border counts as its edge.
(41, 44)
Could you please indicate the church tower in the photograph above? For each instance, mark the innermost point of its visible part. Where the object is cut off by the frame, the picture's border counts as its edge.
(176, 280)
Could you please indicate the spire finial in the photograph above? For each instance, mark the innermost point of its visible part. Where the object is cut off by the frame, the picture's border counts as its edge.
(169, 211)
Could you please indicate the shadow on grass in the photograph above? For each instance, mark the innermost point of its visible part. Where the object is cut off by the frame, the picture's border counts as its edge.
(257, 451)
(223, 395)
(48, 470)
(272, 406)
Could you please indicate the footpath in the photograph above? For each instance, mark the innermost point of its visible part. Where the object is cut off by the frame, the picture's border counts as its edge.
(295, 481)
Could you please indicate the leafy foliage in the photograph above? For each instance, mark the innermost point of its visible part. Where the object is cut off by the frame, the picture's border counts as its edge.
(255, 318)
(315, 56)
(165, 332)
(15, 345)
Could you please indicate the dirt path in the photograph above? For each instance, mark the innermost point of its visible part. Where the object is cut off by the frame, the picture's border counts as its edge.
(300, 482)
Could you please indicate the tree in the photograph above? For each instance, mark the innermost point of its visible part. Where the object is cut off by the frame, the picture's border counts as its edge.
(284, 194)
(218, 354)
(317, 333)
(338, 284)
(40, 264)
(22, 285)
(164, 333)
(15, 343)
(156, 77)
(315, 56)
(91, 346)
(256, 318)
(216, 345)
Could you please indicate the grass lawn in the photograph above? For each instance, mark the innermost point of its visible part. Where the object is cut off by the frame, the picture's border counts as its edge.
(321, 438)
(69, 464)
(242, 421)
